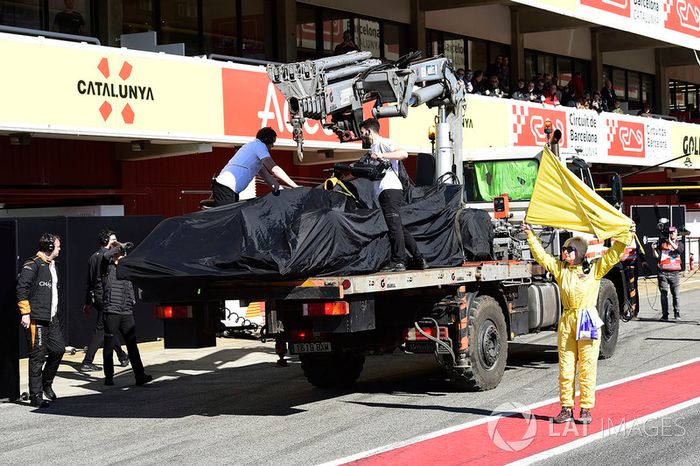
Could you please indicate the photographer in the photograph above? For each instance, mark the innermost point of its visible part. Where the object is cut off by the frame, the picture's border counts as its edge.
(119, 299)
(668, 251)
(389, 192)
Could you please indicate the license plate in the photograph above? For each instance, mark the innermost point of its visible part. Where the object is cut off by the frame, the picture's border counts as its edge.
(317, 347)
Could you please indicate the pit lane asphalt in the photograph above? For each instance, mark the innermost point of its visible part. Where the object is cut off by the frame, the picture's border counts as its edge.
(233, 405)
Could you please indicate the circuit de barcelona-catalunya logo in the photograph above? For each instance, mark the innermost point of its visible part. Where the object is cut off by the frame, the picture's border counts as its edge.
(114, 92)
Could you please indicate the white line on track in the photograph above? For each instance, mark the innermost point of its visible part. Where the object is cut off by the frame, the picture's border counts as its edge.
(449, 430)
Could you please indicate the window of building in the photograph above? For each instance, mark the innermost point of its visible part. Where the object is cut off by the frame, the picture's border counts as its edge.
(565, 71)
(253, 27)
(70, 17)
(368, 37)
(335, 23)
(67, 17)
(22, 13)
(306, 32)
(393, 41)
(648, 88)
(454, 50)
(228, 27)
(219, 25)
(478, 57)
(681, 94)
(138, 16)
(633, 89)
(320, 31)
(619, 83)
(179, 23)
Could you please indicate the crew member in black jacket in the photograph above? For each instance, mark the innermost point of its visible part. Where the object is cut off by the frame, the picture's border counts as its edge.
(37, 297)
(93, 298)
(119, 300)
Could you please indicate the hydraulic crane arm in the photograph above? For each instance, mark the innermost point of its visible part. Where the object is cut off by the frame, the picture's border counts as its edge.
(333, 90)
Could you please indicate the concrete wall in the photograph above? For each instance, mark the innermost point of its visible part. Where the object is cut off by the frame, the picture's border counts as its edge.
(574, 43)
(638, 60)
(394, 10)
(491, 22)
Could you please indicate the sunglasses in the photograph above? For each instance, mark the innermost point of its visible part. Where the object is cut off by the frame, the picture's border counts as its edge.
(569, 249)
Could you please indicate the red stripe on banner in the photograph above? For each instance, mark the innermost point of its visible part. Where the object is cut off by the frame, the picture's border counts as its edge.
(518, 436)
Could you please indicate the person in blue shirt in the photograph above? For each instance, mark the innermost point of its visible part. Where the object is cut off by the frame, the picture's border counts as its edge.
(250, 160)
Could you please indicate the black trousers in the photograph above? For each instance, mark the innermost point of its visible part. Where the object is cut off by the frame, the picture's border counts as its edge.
(223, 194)
(98, 336)
(44, 338)
(391, 200)
(121, 324)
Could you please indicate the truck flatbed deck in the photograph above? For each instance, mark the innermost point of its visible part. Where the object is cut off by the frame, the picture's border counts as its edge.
(337, 287)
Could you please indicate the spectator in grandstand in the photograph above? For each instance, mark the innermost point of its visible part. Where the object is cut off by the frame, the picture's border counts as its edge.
(608, 95)
(494, 69)
(532, 94)
(478, 84)
(597, 103)
(520, 92)
(550, 95)
(617, 107)
(69, 21)
(504, 75)
(347, 45)
(570, 98)
(464, 79)
(576, 84)
(645, 111)
(494, 89)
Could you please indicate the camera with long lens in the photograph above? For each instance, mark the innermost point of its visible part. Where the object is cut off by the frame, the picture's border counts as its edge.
(663, 227)
(366, 167)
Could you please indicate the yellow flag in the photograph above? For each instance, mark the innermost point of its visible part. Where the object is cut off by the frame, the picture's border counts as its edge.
(561, 200)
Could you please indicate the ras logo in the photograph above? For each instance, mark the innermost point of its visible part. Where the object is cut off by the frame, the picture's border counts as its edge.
(688, 14)
(682, 16)
(619, 7)
(529, 124)
(625, 138)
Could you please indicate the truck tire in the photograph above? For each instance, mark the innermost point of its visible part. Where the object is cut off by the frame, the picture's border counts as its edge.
(488, 345)
(609, 311)
(336, 370)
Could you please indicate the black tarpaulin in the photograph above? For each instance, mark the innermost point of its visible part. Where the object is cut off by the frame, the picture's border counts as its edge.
(299, 233)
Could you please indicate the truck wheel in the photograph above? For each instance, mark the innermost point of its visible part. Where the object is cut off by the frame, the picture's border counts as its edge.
(335, 370)
(488, 345)
(609, 312)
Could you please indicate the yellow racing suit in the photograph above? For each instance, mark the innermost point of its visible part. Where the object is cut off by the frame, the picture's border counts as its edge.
(579, 290)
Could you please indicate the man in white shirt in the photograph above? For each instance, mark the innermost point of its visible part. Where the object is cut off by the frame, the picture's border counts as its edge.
(389, 192)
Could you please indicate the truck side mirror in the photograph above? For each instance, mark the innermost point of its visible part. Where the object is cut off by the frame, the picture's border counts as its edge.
(616, 189)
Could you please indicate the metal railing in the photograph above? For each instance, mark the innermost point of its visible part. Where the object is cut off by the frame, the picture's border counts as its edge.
(50, 34)
(241, 60)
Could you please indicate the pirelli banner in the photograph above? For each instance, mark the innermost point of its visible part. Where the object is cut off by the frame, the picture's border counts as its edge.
(673, 21)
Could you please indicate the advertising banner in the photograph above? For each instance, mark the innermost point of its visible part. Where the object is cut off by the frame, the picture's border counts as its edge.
(482, 125)
(62, 87)
(686, 141)
(673, 21)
